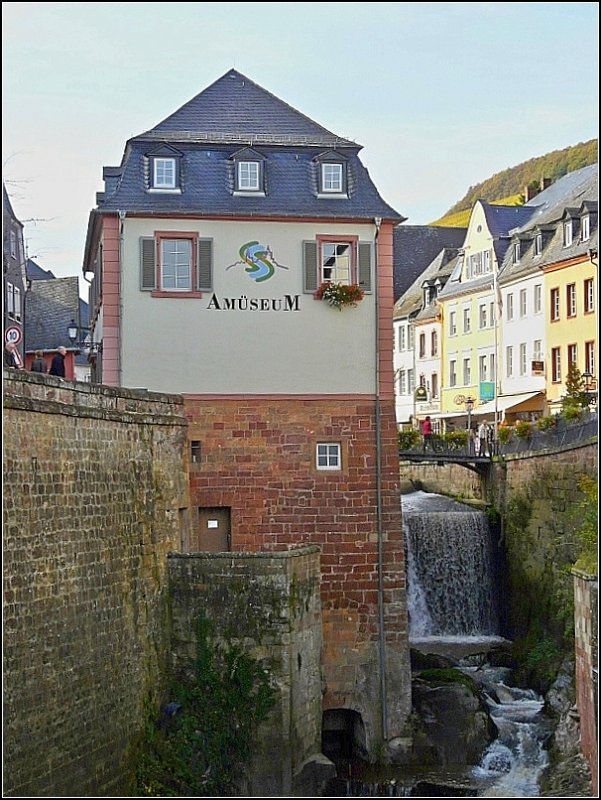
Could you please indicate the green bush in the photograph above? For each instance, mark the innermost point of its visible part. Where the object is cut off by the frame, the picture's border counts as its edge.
(408, 439)
(455, 440)
(523, 429)
(205, 750)
(547, 423)
(504, 433)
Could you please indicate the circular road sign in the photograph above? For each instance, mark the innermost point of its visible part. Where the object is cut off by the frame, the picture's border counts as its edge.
(12, 335)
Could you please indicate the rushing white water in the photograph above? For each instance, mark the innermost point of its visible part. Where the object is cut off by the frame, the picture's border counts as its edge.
(515, 761)
(450, 570)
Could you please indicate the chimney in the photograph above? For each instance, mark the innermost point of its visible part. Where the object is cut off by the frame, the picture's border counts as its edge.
(545, 183)
(530, 191)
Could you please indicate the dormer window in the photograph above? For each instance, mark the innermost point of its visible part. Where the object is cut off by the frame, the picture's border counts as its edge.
(516, 253)
(332, 176)
(568, 233)
(164, 169)
(585, 227)
(248, 172)
(538, 244)
(248, 176)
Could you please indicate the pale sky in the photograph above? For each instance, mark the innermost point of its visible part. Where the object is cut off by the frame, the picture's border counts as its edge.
(440, 95)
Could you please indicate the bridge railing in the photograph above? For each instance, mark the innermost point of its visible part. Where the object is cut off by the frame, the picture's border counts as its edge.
(562, 434)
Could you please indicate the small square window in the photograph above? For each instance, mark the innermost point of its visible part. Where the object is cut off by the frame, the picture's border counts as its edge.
(329, 455)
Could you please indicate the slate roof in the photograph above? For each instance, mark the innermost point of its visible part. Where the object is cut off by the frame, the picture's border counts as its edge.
(576, 194)
(410, 303)
(36, 273)
(209, 129)
(234, 108)
(415, 247)
(51, 305)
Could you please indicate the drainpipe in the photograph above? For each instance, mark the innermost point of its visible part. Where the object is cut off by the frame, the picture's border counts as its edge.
(121, 228)
(382, 638)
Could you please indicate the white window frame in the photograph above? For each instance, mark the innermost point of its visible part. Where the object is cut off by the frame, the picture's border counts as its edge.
(482, 316)
(402, 338)
(538, 244)
(453, 372)
(341, 266)
(538, 298)
(10, 299)
(467, 371)
(482, 369)
(332, 178)
(516, 253)
(434, 385)
(568, 233)
(523, 358)
(402, 382)
(467, 319)
(585, 227)
(589, 295)
(572, 355)
(555, 304)
(17, 304)
(410, 381)
(182, 272)
(453, 323)
(509, 361)
(249, 174)
(13, 243)
(492, 367)
(571, 307)
(160, 177)
(589, 356)
(537, 350)
(510, 305)
(328, 456)
(556, 364)
(434, 343)
(523, 302)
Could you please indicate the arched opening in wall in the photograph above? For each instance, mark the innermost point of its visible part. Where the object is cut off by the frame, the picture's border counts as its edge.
(343, 738)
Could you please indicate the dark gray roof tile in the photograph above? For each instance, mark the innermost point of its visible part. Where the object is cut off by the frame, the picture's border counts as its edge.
(415, 247)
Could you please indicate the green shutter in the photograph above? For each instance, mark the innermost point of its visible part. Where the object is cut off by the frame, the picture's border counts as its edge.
(364, 266)
(310, 271)
(205, 265)
(148, 273)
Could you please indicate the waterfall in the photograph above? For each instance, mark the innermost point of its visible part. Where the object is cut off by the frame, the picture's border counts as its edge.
(450, 569)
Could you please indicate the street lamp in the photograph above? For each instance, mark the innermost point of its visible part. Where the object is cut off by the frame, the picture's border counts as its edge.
(469, 404)
(76, 332)
(589, 386)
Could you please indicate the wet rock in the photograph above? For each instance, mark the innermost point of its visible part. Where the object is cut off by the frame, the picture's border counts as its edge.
(451, 720)
(421, 660)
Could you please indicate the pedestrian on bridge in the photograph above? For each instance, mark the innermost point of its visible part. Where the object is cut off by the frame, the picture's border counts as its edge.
(427, 434)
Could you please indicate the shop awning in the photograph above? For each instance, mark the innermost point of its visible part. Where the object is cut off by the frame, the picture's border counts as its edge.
(515, 402)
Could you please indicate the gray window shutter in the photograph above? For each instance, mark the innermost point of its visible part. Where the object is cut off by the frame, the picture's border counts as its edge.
(205, 265)
(364, 266)
(148, 273)
(310, 270)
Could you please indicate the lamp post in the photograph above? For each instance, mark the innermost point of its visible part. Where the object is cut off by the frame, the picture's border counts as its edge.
(78, 336)
(469, 404)
(589, 387)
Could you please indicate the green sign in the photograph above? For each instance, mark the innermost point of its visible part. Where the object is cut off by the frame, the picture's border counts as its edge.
(487, 391)
(421, 394)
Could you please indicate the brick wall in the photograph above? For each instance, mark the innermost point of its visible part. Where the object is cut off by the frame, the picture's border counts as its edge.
(586, 599)
(269, 604)
(94, 498)
(258, 459)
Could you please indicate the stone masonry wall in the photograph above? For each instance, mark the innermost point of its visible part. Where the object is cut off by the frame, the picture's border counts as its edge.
(269, 604)
(586, 602)
(94, 498)
(258, 459)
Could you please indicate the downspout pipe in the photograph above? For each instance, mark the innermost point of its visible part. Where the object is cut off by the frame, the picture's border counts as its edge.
(122, 215)
(380, 531)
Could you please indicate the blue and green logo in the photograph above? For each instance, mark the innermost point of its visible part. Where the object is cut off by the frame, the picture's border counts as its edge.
(259, 260)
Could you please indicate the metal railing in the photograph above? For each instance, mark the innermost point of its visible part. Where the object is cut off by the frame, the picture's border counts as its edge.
(563, 434)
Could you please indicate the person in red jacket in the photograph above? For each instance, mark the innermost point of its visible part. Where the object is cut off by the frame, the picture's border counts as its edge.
(427, 434)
